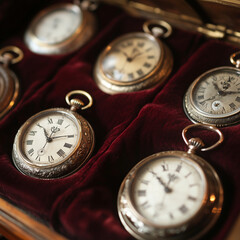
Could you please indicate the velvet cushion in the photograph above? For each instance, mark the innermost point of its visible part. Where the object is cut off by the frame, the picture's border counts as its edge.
(128, 127)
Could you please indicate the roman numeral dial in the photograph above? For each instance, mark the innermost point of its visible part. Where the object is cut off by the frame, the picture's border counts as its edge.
(214, 97)
(131, 58)
(168, 190)
(51, 138)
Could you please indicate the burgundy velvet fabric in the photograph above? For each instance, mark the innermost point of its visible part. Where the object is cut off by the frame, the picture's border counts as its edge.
(128, 127)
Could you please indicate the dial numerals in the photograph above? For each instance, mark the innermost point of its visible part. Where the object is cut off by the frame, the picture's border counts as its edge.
(50, 139)
(130, 59)
(218, 94)
(168, 191)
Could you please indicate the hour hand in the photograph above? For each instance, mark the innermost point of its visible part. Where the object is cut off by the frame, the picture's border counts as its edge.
(230, 92)
(45, 133)
(216, 86)
(125, 54)
(44, 129)
(208, 99)
(166, 188)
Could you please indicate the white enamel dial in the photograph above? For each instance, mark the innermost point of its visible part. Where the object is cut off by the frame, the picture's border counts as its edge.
(50, 138)
(168, 191)
(130, 58)
(58, 25)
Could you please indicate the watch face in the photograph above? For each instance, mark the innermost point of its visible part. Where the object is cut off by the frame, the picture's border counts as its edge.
(57, 25)
(168, 190)
(130, 58)
(217, 92)
(50, 138)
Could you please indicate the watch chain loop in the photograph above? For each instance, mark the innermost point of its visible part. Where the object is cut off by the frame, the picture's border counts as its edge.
(159, 28)
(196, 143)
(77, 103)
(11, 54)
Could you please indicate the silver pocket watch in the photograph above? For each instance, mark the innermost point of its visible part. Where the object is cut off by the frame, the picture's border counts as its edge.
(56, 142)
(214, 97)
(172, 195)
(61, 28)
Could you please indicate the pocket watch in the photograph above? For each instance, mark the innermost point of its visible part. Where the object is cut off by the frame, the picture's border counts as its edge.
(135, 61)
(55, 142)
(214, 97)
(9, 83)
(173, 194)
(60, 28)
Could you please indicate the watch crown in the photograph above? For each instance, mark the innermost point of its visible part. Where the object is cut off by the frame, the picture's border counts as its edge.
(76, 104)
(195, 144)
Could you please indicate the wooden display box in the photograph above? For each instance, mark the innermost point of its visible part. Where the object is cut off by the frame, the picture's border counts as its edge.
(128, 127)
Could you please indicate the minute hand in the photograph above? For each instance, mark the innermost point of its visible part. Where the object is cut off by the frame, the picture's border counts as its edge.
(60, 136)
(228, 92)
(211, 98)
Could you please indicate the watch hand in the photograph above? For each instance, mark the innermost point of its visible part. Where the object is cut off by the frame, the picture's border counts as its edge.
(216, 86)
(166, 188)
(125, 54)
(49, 138)
(171, 177)
(211, 98)
(131, 58)
(138, 54)
(45, 144)
(60, 136)
(224, 93)
(45, 133)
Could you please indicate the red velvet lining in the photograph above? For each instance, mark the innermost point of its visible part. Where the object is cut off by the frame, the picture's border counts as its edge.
(128, 127)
